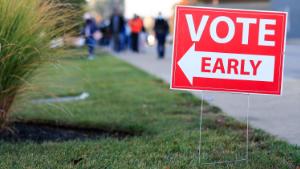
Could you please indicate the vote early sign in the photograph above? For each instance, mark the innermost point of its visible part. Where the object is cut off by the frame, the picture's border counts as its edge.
(228, 50)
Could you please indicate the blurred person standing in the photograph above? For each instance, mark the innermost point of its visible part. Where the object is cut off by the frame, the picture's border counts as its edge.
(143, 40)
(161, 29)
(117, 27)
(89, 30)
(136, 26)
(127, 36)
(104, 28)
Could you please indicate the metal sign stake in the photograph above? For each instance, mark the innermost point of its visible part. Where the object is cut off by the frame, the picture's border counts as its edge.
(246, 158)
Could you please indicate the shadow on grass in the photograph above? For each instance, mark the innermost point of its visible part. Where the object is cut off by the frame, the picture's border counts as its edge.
(44, 132)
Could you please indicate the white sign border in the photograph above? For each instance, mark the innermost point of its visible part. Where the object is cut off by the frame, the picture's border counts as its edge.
(229, 91)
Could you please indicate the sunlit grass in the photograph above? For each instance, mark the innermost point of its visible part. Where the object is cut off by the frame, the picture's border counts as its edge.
(123, 98)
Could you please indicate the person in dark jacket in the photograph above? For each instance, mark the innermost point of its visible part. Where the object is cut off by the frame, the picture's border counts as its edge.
(117, 27)
(104, 28)
(90, 28)
(161, 29)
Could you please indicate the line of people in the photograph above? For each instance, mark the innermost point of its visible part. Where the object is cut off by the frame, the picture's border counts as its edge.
(122, 34)
(125, 33)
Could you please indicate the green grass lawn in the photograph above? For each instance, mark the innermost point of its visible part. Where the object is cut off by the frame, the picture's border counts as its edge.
(123, 98)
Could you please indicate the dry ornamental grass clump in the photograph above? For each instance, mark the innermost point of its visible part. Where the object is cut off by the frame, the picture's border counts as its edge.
(26, 30)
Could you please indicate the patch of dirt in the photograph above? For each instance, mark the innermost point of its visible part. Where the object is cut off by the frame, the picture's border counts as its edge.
(39, 133)
(76, 161)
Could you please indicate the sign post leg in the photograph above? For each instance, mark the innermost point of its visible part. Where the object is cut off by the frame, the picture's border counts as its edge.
(244, 158)
(247, 134)
(200, 124)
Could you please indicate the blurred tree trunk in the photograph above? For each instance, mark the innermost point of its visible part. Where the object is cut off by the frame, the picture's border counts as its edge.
(5, 104)
(215, 2)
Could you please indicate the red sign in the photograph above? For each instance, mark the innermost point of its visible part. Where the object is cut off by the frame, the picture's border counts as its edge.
(228, 50)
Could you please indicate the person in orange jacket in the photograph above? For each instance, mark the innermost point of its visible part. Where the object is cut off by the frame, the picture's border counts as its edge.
(136, 26)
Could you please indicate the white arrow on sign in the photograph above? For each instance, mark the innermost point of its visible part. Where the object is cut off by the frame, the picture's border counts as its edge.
(191, 64)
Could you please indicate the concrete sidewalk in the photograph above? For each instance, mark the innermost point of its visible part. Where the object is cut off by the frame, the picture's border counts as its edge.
(279, 116)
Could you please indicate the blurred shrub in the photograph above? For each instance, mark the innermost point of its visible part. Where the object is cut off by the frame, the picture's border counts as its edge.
(77, 5)
(26, 30)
